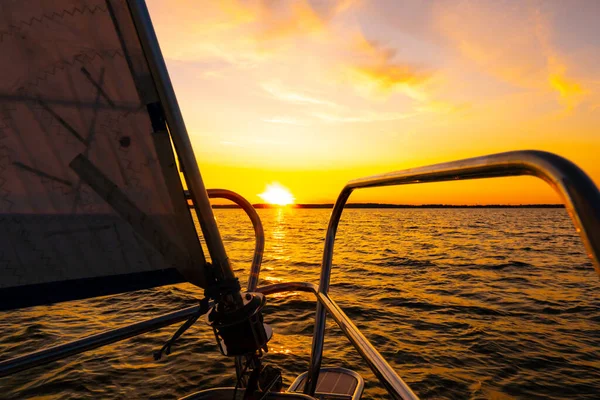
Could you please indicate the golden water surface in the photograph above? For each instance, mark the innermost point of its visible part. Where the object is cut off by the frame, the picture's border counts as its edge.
(464, 303)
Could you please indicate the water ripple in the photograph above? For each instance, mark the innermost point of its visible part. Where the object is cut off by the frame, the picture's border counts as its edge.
(464, 303)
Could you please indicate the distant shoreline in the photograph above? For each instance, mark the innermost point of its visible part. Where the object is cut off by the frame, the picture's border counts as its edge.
(381, 206)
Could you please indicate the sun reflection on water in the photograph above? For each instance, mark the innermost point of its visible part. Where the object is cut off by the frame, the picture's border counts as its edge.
(278, 235)
(279, 350)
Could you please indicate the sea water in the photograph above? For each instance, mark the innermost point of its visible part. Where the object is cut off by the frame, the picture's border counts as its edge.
(463, 303)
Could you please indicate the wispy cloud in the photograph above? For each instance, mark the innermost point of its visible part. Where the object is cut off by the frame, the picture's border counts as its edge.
(363, 117)
(240, 141)
(274, 84)
(379, 66)
(287, 20)
(278, 91)
(285, 121)
(436, 106)
(513, 44)
(237, 28)
(571, 92)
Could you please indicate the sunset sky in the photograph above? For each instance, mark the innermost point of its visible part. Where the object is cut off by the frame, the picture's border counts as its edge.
(311, 94)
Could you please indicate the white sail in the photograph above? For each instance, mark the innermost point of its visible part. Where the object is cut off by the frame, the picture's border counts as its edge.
(90, 199)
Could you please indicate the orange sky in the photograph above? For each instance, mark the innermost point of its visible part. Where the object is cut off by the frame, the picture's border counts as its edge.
(311, 94)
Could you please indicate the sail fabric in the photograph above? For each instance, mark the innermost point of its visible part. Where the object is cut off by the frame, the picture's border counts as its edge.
(86, 169)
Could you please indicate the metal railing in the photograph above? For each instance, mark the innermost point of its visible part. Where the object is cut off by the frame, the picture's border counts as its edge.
(58, 352)
(578, 192)
(259, 233)
(50, 354)
(259, 247)
(384, 371)
(580, 195)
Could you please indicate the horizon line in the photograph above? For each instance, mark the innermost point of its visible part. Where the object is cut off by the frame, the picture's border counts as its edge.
(387, 205)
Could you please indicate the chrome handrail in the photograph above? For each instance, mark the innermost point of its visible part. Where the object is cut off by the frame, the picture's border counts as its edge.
(374, 359)
(577, 190)
(395, 386)
(259, 245)
(259, 233)
(47, 355)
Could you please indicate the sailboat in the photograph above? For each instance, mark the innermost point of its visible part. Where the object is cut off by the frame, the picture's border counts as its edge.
(96, 170)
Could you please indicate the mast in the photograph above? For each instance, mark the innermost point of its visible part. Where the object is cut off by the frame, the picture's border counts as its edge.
(222, 268)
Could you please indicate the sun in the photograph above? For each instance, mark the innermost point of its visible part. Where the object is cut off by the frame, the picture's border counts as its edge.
(277, 194)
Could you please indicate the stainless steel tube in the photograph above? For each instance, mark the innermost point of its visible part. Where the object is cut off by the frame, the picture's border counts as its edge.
(259, 233)
(396, 387)
(259, 245)
(577, 190)
(388, 377)
(180, 138)
(50, 354)
(288, 287)
(316, 354)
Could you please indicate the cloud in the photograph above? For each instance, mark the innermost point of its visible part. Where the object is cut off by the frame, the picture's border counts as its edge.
(312, 55)
(278, 91)
(285, 19)
(435, 106)
(285, 120)
(245, 142)
(500, 40)
(256, 25)
(245, 33)
(296, 19)
(571, 92)
(363, 117)
(513, 44)
(377, 66)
